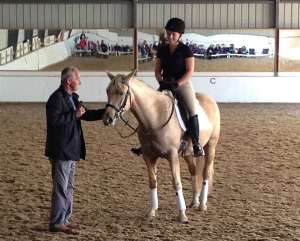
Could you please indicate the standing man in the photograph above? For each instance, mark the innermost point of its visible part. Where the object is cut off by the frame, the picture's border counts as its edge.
(65, 145)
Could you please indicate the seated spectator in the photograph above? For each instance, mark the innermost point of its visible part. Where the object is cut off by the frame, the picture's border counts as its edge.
(223, 49)
(162, 40)
(127, 48)
(155, 46)
(265, 51)
(145, 49)
(82, 35)
(146, 46)
(117, 49)
(83, 43)
(193, 47)
(252, 51)
(217, 49)
(77, 40)
(242, 50)
(103, 47)
(210, 51)
(144, 52)
(201, 50)
(232, 49)
(93, 47)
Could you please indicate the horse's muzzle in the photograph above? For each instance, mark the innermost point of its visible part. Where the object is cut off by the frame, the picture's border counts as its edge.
(108, 121)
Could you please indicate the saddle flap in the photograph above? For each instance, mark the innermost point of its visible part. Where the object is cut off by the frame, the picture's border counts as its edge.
(183, 117)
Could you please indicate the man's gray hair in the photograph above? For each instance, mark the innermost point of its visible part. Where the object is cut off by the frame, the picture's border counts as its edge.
(67, 73)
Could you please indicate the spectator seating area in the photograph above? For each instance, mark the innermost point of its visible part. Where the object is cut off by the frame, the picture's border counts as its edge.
(6, 55)
(85, 47)
(221, 51)
(147, 52)
(22, 48)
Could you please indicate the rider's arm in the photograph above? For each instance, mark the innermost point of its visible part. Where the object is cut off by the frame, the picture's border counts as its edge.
(189, 64)
(158, 70)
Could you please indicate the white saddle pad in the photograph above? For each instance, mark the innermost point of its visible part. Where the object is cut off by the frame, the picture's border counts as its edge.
(202, 117)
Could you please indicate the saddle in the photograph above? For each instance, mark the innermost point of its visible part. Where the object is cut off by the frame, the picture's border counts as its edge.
(184, 116)
(184, 113)
(181, 109)
(171, 87)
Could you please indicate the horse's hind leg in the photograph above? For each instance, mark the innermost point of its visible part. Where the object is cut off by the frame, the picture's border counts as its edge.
(152, 173)
(196, 188)
(208, 171)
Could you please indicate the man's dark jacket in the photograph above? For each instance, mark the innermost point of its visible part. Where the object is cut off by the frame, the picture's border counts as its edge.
(65, 139)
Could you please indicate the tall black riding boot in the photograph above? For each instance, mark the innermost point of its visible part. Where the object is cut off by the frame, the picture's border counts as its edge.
(137, 151)
(194, 132)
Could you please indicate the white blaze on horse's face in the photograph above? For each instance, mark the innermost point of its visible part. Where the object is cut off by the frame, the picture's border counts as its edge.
(117, 97)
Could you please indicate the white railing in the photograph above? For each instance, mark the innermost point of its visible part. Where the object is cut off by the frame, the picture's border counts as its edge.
(22, 48)
(6, 55)
(26, 47)
(36, 43)
(229, 55)
(19, 50)
(49, 40)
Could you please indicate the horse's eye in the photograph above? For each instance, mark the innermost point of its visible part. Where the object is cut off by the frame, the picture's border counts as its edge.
(119, 92)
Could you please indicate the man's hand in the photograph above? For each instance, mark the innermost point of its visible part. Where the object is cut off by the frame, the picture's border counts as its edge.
(79, 112)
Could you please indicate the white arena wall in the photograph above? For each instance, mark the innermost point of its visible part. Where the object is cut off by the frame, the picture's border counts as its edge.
(29, 86)
(42, 57)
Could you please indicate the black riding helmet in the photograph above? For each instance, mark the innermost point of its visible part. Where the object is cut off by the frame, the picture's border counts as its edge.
(175, 25)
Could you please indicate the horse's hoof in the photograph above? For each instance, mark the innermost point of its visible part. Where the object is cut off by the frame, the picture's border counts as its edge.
(182, 217)
(152, 213)
(194, 205)
(203, 207)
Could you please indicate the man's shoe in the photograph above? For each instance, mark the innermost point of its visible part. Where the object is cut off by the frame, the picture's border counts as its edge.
(137, 151)
(72, 226)
(61, 228)
(198, 150)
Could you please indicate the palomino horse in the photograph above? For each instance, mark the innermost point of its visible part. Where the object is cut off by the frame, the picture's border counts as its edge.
(160, 135)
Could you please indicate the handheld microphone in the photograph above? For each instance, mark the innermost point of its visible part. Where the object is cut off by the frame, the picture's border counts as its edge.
(81, 104)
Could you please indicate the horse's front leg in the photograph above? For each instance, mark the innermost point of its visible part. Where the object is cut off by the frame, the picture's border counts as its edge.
(175, 168)
(152, 173)
(195, 181)
(208, 171)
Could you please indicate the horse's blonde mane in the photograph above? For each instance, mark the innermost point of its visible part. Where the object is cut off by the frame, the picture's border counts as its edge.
(146, 87)
(139, 83)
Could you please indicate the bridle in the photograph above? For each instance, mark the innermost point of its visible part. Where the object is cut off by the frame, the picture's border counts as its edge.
(121, 110)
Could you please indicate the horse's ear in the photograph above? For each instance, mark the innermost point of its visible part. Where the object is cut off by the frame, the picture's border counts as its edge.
(110, 75)
(131, 74)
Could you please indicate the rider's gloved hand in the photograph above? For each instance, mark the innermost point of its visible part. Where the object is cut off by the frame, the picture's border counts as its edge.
(167, 85)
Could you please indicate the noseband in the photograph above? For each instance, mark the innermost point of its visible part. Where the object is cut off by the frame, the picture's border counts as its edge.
(120, 111)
